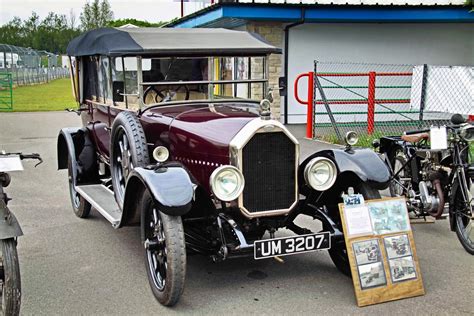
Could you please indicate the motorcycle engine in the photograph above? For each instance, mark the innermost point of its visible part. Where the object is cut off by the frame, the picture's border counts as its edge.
(434, 177)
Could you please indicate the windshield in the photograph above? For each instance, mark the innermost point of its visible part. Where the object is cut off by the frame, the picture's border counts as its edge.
(175, 79)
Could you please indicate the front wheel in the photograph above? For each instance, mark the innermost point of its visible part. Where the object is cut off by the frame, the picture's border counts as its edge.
(165, 252)
(10, 278)
(463, 212)
(338, 252)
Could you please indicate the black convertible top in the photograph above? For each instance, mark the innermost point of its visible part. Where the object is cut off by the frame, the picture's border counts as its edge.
(169, 42)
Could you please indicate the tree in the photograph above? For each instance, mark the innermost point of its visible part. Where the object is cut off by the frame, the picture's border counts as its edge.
(139, 23)
(96, 14)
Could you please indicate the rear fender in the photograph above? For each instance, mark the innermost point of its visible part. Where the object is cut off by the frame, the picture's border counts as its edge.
(75, 144)
(365, 164)
(171, 188)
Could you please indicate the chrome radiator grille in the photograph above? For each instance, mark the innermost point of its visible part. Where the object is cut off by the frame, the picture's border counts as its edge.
(268, 165)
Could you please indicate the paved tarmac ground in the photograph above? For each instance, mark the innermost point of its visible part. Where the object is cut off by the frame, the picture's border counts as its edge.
(84, 266)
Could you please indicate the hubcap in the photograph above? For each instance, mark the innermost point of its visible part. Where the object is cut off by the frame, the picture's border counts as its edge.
(156, 251)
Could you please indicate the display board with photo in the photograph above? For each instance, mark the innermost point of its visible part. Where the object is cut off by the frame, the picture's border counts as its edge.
(386, 274)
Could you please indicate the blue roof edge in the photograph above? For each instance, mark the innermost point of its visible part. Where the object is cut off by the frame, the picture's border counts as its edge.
(293, 13)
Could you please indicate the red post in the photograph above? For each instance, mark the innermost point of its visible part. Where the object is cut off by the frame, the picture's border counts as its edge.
(308, 102)
(371, 104)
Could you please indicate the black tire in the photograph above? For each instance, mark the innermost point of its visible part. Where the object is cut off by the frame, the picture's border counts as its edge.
(463, 219)
(11, 282)
(165, 252)
(128, 151)
(338, 252)
(80, 206)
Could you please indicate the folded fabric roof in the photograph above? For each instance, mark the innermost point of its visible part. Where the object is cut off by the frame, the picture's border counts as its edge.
(169, 42)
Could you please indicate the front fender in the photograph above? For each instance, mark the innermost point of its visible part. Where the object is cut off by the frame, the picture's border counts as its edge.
(364, 163)
(9, 227)
(170, 187)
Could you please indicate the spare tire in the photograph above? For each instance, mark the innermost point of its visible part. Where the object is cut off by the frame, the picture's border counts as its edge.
(128, 150)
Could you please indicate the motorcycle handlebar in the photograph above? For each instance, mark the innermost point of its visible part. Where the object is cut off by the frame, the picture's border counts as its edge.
(25, 156)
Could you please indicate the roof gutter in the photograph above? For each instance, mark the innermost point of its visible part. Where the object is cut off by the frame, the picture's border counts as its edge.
(285, 66)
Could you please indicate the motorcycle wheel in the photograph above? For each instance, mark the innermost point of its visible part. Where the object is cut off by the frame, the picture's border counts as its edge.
(165, 252)
(395, 188)
(11, 282)
(338, 252)
(463, 219)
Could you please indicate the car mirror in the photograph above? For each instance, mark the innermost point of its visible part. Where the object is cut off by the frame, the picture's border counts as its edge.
(118, 91)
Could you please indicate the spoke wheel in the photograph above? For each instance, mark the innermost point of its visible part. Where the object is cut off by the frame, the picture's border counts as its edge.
(10, 278)
(463, 212)
(128, 151)
(397, 185)
(165, 252)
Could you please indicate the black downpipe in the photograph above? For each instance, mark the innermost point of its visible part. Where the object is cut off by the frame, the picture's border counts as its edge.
(287, 36)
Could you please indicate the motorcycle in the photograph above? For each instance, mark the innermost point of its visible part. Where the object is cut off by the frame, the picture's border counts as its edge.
(431, 178)
(10, 281)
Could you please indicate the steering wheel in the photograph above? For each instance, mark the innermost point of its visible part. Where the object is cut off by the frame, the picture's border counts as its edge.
(166, 94)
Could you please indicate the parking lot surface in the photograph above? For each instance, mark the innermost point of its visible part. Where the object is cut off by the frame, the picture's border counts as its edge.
(84, 266)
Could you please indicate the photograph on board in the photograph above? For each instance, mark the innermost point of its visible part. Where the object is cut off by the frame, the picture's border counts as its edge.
(402, 269)
(367, 251)
(371, 275)
(389, 216)
(397, 246)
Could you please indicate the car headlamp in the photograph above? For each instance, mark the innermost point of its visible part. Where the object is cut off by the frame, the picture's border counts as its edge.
(227, 183)
(351, 138)
(320, 173)
(467, 132)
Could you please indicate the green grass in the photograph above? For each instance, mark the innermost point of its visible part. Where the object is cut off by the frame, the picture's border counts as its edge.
(53, 96)
(364, 140)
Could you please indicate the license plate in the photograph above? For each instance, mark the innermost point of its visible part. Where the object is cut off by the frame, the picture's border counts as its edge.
(291, 245)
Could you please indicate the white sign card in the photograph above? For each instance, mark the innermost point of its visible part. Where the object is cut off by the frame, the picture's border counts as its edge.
(358, 220)
(438, 138)
(10, 163)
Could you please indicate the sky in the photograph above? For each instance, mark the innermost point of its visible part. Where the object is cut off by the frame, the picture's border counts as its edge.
(149, 10)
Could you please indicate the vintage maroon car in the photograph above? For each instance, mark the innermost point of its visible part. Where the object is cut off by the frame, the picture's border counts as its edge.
(178, 138)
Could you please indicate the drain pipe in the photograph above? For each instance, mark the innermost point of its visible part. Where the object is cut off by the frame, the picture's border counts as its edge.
(287, 36)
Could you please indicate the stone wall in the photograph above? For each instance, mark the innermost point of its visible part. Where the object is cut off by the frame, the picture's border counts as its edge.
(274, 33)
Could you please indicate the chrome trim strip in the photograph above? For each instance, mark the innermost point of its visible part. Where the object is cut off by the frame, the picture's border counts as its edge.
(239, 141)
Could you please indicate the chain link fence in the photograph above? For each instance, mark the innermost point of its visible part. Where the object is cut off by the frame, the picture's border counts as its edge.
(28, 66)
(383, 99)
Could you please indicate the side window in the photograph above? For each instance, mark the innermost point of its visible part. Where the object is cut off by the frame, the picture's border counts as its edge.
(106, 84)
(124, 76)
(90, 78)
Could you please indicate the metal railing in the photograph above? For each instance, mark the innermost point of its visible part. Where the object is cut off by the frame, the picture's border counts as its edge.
(384, 99)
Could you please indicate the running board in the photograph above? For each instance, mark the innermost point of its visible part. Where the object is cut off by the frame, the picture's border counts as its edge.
(103, 200)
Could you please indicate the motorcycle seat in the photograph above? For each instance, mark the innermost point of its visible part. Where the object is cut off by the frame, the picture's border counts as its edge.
(415, 138)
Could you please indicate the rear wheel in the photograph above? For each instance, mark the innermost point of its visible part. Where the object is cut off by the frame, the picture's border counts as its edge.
(10, 278)
(80, 206)
(397, 185)
(338, 252)
(165, 252)
(463, 212)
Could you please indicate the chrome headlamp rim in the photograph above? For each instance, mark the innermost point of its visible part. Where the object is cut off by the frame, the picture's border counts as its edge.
(351, 138)
(311, 164)
(467, 132)
(241, 183)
